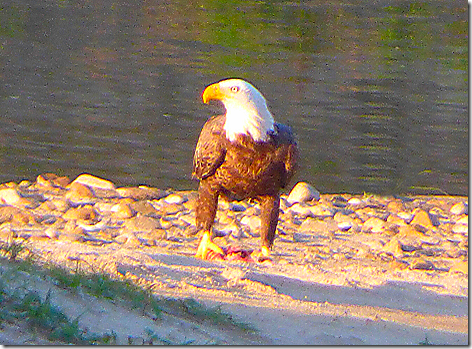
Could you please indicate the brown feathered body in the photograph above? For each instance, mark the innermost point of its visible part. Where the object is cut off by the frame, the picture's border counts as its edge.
(242, 169)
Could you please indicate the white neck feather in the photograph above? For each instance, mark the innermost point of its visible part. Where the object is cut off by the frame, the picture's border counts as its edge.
(250, 119)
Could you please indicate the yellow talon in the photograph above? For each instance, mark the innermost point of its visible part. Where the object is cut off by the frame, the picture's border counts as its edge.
(265, 251)
(263, 255)
(206, 245)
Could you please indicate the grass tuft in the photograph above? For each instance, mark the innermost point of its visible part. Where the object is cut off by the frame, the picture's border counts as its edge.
(12, 249)
(47, 319)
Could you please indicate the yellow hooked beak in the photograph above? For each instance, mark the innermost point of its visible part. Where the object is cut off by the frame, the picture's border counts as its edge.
(212, 92)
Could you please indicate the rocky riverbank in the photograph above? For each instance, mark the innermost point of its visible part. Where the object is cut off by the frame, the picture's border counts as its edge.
(401, 261)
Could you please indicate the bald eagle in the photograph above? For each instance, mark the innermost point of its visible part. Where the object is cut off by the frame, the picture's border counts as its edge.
(241, 154)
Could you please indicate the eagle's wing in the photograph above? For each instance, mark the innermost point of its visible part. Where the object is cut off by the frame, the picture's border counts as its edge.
(287, 145)
(210, 150)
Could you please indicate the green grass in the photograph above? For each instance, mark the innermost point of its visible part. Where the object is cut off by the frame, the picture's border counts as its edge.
(103, 286)
(13, 249)
(42, 316)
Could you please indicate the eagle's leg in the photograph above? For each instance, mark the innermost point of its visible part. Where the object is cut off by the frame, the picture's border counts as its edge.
(269, 218)
(205, 213)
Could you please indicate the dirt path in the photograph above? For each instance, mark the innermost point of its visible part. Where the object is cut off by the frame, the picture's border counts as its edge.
(280, 300)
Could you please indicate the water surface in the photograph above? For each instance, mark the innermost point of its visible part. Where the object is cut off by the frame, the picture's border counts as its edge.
(377, 92)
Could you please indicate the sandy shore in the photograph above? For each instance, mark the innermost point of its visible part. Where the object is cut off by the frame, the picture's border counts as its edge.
(346, 269)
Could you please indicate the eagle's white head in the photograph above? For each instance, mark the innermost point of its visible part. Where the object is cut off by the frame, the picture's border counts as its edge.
(246, 109)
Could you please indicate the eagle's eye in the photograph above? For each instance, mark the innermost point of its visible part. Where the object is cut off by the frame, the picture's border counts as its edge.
(234, 89)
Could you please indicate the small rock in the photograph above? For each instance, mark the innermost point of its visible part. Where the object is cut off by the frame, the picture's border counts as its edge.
(354, 201)
(408, 232)
(321, 211)
(394, 248)
(339, 201)
(7, 213)
(84, 213)
(236, 207)
(9, 197)
(368, 212)
(312, 225)
(52, 180)
(94, 182)
(407, 217)
(51, 233)
(300, 210)
(122, 211)
(165, 223)
(460, 228)
(459, 208)
(253, 211)
(373, 225)
(364, 252)
(131, 240)
(395, 220)
(142, 223)
(422, 265)
(463, 220)
(104, 207)
(253, 222)
(422, 219)
(454, 252)
(46, 206)
(22, 218)
(398, 264)
(171, 209)
(72, 232)
(175, 199)
(303, 192)
(78, 192)
(144, 208)
(342, 218)
(395, 206)
(375, 246)
(43, 180)
(460, 267)
(345, 226)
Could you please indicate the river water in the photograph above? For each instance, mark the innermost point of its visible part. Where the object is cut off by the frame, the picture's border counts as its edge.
(376, 91)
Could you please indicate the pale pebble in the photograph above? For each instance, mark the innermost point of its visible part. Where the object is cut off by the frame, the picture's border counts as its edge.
(463, 220)
(421, 218)
(460, 229)
(175, 199)
(461, 267)
(459, 208)
(142, 223)
(303, 192)
(407, 217)
(300, 210)
(94, 182)
(321, 211)
(344, 226)
(373, 225)
(354, 201)
(9, 196)
(393, 247)
(122, 211)
(253, 222)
